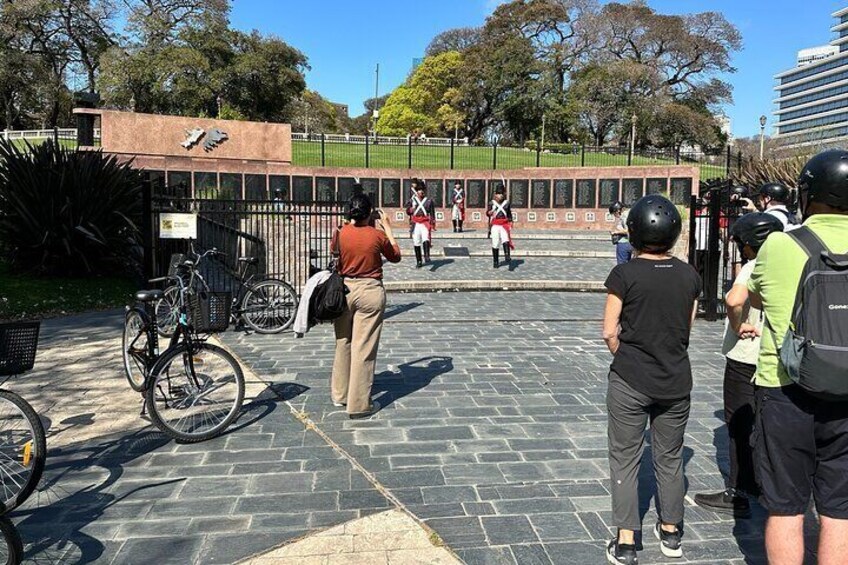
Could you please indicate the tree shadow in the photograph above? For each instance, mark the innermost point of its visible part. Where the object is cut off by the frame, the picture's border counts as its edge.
(398, 309)
(390, 386)
(514, 264)
(439, 263)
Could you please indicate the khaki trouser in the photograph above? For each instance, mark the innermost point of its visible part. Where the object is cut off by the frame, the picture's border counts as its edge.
(357, 338)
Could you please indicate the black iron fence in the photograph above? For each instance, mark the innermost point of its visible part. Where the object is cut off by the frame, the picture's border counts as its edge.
(290, 240)
(711, 251)
(318, 151)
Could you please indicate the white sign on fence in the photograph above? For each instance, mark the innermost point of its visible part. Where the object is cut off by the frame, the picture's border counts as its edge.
(177, 226)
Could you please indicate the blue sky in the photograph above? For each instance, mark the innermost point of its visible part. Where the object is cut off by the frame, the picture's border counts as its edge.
(345, 39)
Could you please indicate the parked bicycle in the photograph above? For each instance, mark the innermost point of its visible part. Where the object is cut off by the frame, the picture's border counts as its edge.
(265, 305)
(23, 444)
(194, 389)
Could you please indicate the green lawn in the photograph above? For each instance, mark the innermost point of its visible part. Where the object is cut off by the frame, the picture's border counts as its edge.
(306, 153)
(24, 297)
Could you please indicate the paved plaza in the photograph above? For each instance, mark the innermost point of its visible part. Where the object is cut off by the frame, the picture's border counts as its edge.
(492, 439)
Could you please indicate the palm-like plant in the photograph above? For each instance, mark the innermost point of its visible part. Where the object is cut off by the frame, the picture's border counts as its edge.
(68, 212)
(757, 172)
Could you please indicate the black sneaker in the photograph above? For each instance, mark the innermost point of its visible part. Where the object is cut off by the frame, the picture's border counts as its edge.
(373, 409)
(670, 542)
(621, 553)
(727, 502)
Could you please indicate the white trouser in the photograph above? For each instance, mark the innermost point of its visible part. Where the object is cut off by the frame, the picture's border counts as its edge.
(499, 236)
(420, 234)
(456, 213)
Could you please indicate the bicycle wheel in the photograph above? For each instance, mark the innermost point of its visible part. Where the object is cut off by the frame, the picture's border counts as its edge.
(168, 311)
(12, 551)
(23, 448)
(134, 347)
(195, 395)
(269, 306)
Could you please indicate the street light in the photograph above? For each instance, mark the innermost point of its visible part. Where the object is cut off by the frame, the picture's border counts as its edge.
(633, 133)
(220, 101)
(763, 120)
(132, 103)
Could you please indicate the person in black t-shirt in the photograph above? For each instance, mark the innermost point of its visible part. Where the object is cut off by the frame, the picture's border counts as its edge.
(651, 304)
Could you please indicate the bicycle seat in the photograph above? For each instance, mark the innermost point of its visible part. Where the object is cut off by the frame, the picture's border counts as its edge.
(149, 295)
(248, 260)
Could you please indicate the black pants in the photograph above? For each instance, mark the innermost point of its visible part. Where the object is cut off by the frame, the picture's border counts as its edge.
(739, 416)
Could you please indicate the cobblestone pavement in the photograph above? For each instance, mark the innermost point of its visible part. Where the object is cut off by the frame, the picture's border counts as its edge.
(475, 268)
(117, 491)
(521, 244)
(493, 429)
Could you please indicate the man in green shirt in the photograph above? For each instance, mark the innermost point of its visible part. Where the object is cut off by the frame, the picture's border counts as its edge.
(800, 442)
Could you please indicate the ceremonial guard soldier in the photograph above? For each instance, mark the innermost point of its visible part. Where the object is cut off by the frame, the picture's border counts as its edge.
(500, 225)
(458, 210)
(422, 216)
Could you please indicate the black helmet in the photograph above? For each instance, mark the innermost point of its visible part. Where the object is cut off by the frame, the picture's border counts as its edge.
(753, 229)
(740, 191)
(616, 207)
(359, 207)
(777, 192)
(824, 179)
(654, 224)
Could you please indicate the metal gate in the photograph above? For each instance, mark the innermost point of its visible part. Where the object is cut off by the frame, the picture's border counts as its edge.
(290, 240)
(711, 251)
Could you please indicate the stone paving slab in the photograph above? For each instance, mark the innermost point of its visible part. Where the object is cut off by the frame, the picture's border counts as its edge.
(115, 490)
(476, 268)
(494, 433)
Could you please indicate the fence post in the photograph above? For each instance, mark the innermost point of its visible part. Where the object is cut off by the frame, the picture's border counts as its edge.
(538, 154)
(727, 163)
(739, 162)
(629, 154)
(677, 155)
(409, 152)
(711, 269)
(56, 139)
(583, 154)
(323, 152)
(366, 151)
(494, 155)
(451, 153)
(147, 227)
(693, 225)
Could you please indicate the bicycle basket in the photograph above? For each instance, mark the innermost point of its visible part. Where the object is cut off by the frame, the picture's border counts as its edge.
(209, 312)
(18, 343)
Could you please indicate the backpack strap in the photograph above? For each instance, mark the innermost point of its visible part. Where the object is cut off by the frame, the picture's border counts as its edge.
(807, 240)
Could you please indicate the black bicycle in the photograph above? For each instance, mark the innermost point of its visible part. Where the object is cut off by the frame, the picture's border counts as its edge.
(23, 444)
(265, 305)
(194, 389)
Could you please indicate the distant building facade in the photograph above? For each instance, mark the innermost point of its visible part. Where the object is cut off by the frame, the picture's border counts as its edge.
(812, 97)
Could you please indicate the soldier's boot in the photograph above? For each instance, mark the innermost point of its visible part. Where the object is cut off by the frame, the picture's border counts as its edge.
(460, 226)
(418, 262)
(495, 262)
(455, 226)
(506, 252)
(427, 252)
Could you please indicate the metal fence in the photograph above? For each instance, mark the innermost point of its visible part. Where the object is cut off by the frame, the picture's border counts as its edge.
(290, 240)
(711, 251)
(320, 150)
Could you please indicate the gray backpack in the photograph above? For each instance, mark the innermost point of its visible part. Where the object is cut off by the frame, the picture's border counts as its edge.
(815, 348)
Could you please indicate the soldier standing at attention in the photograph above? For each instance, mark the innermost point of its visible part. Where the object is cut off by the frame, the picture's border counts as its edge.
(422, 215)
(500, 225)
(458, 209)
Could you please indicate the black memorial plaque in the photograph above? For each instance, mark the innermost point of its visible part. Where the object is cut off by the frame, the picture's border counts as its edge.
(541, 193)
(391, 194)
(586, 193)
(371, 188)
(255, 187)
(609, 192)
(436, 191)
(301, 189)
(325, 189)
(681, 190)
(476, 194)
(632, 191)
(519, 190)
(564, 193)
(281, 183)
(345, 187)
(657, 186)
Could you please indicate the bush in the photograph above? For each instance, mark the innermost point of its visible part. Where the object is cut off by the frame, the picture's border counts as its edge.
(67, 212)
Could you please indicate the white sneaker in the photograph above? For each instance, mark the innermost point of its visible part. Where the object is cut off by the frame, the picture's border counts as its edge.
(670, 542)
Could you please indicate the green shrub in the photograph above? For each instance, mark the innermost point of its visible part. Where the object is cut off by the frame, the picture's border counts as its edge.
(68, 212)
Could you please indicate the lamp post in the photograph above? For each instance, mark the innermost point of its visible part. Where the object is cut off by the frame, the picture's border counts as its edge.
(219, 100)
(633, 133)
(542, 146)
(132, 103)
(763, 120)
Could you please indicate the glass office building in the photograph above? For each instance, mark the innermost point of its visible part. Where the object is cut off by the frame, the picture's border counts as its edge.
(812, 97)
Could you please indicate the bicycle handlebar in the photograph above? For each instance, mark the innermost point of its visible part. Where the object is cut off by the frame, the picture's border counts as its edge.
(163, 279)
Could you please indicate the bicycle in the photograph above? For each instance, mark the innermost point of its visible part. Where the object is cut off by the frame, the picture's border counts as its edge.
(23, 444)
(266, 305)
(194, 389)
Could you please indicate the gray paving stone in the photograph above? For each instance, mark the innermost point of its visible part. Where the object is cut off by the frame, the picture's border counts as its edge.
(503, 530)
(165, 550)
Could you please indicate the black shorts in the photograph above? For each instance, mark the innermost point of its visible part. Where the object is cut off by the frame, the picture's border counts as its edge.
(801, 449)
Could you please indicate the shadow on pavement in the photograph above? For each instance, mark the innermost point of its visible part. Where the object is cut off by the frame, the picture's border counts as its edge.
(439, 263)
(390, 386)
(398, 309)
(514, 264)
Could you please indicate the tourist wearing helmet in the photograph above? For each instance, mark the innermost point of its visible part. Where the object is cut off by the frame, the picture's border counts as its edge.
(801, 441)
(623, 250)
(741, 349)
(774, 198)
(651, 303)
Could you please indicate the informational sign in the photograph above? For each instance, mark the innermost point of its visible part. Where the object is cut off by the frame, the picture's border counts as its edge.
(177, 226)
